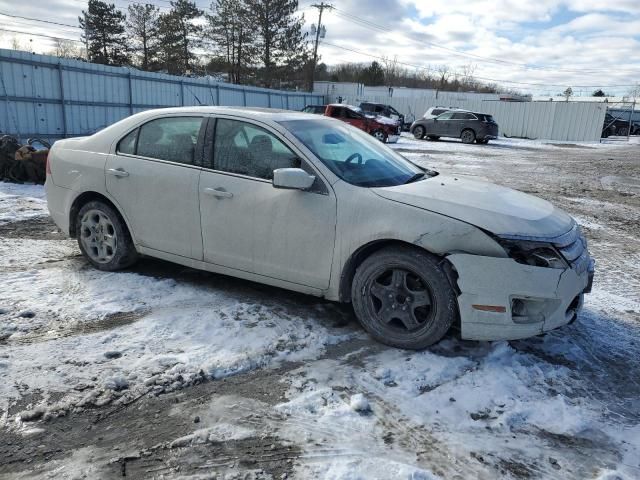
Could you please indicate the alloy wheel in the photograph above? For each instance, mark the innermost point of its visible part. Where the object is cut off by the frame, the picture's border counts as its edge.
(98, 236)
(401, 299)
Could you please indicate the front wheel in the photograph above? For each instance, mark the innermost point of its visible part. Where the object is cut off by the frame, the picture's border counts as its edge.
(403, 298)
(103, 237)
(418, 132)
(380, 135)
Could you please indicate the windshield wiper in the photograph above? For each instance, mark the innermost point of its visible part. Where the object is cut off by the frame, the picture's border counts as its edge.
(415, 177)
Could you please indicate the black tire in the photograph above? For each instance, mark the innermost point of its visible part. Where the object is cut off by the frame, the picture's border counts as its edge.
(468, 136)
(123, 254)
(398, 315)
(418, 132)
(380, 135)
(433, 138)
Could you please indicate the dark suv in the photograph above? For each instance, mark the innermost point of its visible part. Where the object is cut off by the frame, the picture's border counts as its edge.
(384, 110)
(468, 126)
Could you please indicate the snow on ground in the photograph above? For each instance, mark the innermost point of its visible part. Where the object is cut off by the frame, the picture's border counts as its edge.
(20, 202)
(564, 405)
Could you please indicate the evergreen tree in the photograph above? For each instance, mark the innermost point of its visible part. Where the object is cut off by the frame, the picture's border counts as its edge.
(103, 28)
(231, 30)
(142, 30)
(373, 75)
(179, 35)
(280, 41)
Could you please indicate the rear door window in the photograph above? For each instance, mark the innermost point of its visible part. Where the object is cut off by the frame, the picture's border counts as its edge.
(173, 139)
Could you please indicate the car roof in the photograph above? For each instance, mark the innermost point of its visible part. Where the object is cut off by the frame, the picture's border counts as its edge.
(274, 114)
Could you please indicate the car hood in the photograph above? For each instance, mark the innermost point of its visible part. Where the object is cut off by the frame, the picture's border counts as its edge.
(499, 210)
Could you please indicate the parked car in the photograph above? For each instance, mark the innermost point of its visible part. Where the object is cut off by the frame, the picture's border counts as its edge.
(309, 204)
(385, 111)
(468, 126)
(383, 128)
(618, 126)
(317, 109)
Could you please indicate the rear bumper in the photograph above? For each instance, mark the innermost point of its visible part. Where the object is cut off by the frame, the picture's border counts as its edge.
(58, 201)
(501, 299)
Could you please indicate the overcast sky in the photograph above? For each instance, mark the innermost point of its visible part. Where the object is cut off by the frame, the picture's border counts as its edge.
(556, 43)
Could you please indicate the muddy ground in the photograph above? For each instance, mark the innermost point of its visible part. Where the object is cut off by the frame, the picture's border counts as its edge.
(140, 437)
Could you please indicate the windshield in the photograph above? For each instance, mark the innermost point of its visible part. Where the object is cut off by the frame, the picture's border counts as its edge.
(354, 156)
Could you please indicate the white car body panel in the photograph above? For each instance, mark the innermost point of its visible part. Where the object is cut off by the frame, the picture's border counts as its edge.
(304, 240)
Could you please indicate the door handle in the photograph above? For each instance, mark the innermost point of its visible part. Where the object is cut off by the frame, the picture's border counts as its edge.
(218, 192)
(117, 172)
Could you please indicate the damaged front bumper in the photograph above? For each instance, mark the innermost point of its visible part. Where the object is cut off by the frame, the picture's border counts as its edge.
(501, 299)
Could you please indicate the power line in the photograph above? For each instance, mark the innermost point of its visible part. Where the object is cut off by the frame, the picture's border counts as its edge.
(474, 76)
(40, 35)
(374, 26)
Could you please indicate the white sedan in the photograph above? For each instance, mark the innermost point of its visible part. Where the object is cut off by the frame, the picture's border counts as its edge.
(311, 204)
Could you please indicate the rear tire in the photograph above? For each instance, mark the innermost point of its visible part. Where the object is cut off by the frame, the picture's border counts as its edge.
(418, 132)
(468, 136)
(103, 237)
(403, 298)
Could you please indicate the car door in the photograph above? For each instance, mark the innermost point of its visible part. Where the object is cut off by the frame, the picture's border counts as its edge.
(249, 225)
(153, 176)
(441, 124)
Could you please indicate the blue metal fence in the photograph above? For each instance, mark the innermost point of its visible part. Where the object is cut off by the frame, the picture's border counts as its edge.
(49, 97)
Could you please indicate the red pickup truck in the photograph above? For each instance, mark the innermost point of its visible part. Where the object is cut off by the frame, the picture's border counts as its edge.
(384, 129)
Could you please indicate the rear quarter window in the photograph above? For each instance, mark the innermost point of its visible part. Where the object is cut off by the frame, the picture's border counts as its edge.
(128, 144)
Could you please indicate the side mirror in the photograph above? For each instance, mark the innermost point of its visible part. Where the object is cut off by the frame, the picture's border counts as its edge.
(292, 179)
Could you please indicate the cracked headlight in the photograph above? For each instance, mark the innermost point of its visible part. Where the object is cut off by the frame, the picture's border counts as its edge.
(537, 254)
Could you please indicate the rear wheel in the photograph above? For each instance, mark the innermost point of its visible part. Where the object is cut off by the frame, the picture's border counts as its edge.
(418, 132)
(380, 135)
(468, 136)
(103, 237)
(403, 298)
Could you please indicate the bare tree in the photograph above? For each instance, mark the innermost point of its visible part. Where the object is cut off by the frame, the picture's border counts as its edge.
(65, 49)
(444, 73)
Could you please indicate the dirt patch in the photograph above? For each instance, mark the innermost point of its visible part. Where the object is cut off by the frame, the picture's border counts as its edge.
(37, 228)
(72, 328)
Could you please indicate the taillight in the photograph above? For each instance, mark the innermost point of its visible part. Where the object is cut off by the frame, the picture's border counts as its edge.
(48, 164)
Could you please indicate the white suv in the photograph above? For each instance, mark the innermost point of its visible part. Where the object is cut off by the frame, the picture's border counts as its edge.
(311, 204)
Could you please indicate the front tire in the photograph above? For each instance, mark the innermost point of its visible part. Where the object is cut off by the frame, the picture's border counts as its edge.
(380, 135)
(103, 237)
(403, 298)
(418, 132)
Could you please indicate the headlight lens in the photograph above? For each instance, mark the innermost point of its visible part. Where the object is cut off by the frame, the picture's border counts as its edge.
(537, 254)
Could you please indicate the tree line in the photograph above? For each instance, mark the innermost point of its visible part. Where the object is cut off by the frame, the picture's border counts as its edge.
(256, 42)
(259, 42)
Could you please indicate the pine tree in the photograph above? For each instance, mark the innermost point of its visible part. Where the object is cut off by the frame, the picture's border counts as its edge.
(179, 35)
(281, 43)
(142, 31)
(103, 28)
(231, 31)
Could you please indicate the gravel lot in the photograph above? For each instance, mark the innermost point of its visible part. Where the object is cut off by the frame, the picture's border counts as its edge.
(166, 372)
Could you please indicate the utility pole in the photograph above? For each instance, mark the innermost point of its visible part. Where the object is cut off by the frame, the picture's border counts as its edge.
(320, 6)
